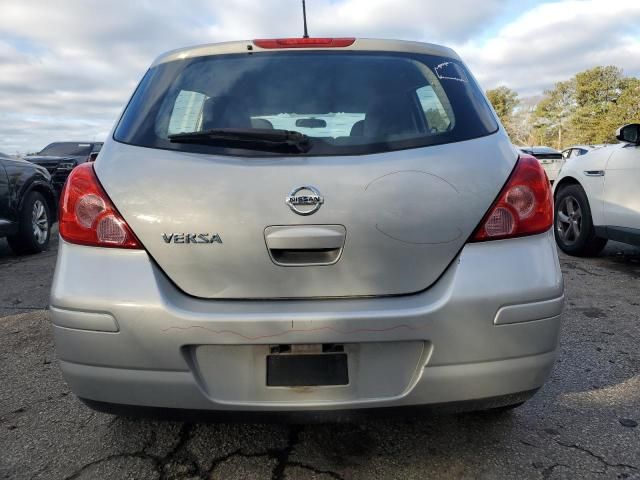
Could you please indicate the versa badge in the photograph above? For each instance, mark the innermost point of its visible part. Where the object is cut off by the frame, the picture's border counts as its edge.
(191, 238)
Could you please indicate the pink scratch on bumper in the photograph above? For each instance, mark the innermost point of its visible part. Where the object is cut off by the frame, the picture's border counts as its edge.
(297, 330)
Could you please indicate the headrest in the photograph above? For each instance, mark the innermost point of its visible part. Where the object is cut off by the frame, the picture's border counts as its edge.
(225, 111)
(358, 129)
(391, 115)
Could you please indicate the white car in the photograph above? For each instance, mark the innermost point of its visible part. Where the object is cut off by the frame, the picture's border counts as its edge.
(597, 196)
(578, 150)
(550, 159)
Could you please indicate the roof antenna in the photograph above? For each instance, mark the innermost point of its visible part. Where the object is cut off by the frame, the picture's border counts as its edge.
(304, 18)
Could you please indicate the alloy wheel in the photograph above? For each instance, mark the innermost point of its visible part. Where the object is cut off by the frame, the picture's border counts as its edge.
(569, 220)
(39, 222)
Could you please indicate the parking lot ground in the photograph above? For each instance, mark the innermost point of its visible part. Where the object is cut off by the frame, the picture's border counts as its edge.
(582, 424)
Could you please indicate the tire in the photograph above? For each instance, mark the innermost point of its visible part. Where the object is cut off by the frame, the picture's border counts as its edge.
(573, 224)
(505, 408)
(491, 413)
(34, 228)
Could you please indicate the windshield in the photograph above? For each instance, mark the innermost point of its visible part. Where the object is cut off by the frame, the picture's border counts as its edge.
(62, 149)
(346, 102)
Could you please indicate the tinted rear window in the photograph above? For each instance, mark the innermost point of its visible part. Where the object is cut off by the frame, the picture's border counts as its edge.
(348, 102)
(61, 149)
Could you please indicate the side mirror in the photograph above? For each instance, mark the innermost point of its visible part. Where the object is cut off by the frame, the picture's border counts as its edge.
(629, 133)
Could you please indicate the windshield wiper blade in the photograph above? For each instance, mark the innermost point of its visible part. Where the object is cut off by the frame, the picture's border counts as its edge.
(285, 141)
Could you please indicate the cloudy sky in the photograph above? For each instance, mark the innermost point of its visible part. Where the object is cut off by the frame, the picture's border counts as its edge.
(68, 66)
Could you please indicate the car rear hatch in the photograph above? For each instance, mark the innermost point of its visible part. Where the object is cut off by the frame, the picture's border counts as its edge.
(549, 158)
(402, 160)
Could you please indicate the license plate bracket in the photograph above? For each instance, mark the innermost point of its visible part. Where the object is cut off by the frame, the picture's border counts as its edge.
(307, 370)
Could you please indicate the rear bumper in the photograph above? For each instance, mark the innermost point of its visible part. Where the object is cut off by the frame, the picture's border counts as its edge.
(488, 328)
(480, 383)
(306, 416)
(552, 170)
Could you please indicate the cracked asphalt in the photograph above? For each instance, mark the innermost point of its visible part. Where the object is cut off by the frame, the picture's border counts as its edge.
(582, 424)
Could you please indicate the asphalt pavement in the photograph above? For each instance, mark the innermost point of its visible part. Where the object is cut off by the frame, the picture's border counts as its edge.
(582, 424)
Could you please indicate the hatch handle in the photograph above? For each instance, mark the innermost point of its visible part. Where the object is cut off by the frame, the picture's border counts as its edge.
(303, 245)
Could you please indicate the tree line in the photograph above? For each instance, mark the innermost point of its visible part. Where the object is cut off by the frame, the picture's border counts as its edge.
(586, 109)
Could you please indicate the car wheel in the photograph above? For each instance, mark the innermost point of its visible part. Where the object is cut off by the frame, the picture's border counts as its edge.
(499, 411)
(506, 408)
(489, 412)
(34, 229)
(574, 230)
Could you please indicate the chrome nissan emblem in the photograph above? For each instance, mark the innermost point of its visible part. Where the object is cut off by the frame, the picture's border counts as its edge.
(304, 200)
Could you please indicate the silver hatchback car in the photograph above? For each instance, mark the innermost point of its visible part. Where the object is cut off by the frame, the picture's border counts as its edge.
(307, 225)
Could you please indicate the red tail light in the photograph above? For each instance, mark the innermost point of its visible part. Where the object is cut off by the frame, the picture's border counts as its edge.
(303, 42)
(87, 216)
(524, 206)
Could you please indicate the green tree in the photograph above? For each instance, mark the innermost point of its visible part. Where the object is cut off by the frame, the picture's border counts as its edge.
(553, 114)
(598, 92)
(587, 108)
(504, 101)
(627, 109)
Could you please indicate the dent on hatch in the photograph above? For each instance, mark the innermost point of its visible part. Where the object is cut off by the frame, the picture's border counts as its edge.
(415, 207)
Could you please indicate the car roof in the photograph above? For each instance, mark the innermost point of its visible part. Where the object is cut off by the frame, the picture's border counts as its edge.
(360, 44)
(74, 141)
(586, 147)
(539, 149)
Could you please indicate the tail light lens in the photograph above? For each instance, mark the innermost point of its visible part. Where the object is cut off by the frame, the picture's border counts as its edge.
(87, 216)
(303, 42)
(524, 206)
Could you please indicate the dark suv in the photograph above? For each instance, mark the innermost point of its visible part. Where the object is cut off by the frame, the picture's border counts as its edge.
(27, 205)
(59, 158)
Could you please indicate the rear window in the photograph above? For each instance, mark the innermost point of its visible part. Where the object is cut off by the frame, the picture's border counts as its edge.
(61, 149)
(347, 102)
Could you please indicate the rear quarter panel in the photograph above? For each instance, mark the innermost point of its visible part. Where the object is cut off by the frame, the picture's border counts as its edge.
(574, 170)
